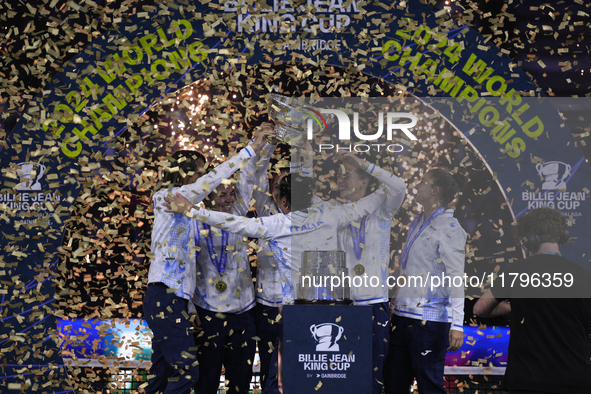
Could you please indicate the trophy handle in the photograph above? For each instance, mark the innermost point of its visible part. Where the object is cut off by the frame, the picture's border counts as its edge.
(313, 330)
(567, 172)
(41, 170)
(341, 330)
(539, 168)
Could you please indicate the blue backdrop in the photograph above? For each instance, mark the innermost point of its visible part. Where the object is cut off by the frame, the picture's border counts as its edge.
(58, 142)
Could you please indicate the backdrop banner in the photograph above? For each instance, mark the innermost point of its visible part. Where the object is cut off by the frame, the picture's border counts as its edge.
(58, 143)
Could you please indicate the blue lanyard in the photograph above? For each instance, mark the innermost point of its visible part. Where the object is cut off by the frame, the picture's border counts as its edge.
(197, 241)
(358, 238)
(221, 265)
(413, 226)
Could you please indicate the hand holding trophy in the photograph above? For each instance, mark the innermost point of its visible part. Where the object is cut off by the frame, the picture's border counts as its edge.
(294, 121)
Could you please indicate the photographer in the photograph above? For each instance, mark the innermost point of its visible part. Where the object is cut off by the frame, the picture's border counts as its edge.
(551, 309)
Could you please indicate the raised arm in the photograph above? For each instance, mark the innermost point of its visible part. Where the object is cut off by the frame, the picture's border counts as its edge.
(244, 186)
(395, 185)
(247, 176)
(353, 212)
(269, 227)
(197, 191)
(307, 168)
(263, 202)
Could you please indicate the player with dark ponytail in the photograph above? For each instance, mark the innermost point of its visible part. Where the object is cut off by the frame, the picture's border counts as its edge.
(449, 184)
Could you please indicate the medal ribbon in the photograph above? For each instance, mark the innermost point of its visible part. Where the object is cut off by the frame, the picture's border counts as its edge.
(197, 240)
(358, 237)
(413, 226)
(221, 265)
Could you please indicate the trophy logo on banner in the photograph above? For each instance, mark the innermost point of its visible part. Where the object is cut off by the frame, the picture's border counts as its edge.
(554, 174)
(327, 336)
(30, 174)
(293, 119)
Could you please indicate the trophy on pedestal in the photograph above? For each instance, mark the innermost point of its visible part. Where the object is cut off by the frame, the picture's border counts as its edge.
(316, 278)
(294, 121)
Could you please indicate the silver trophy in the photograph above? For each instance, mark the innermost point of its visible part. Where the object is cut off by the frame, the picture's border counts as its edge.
(316, 279)
(294, 120)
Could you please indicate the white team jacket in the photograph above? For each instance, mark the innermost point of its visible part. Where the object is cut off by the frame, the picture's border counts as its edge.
(239, 293)
(438, 251)
(268, 286)
(173, 235)
(289, 235)
(375, 256)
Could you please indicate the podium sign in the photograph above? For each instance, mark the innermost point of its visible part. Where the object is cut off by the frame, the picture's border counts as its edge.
(327, 349)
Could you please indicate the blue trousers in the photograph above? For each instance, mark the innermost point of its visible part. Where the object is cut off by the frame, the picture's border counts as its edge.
(226, 339)
(272, 383)
(268, 332)
(380, 337)
(417, 350)
(174, 358)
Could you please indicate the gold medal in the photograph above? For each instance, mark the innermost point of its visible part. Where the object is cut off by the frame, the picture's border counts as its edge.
(221, 286)
(359, 269)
